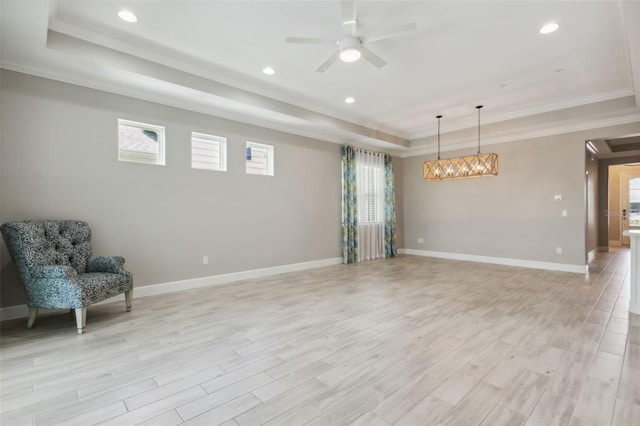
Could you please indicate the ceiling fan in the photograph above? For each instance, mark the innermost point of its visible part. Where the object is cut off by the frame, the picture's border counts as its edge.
(351, 47)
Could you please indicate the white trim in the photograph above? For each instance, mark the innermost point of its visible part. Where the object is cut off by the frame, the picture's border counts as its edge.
(508, 137)
(13, 312)
(579, 269)
(221, 142)
(21, 311)
(159, 130)
(592, 254)
(355, 132)
(269, 154)
(540, 109)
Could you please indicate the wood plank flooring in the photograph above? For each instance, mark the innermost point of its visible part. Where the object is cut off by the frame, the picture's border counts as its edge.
(403, 341)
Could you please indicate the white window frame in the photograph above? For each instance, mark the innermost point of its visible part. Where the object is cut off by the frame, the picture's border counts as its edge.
(270, 157)
(370, 193)
(222, 150)
(159, 130)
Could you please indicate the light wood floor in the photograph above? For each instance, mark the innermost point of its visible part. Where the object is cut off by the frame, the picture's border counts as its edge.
(405, 341)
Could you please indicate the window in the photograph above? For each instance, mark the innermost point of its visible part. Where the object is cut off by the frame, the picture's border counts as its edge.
(370, 211)
(208, 152)
(259, 159)
(370, 187)
(140, 143)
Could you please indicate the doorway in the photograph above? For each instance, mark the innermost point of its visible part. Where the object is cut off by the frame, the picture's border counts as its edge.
(623, 210)
(629, 204)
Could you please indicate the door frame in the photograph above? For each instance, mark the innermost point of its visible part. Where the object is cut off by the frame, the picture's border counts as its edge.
(625, 177)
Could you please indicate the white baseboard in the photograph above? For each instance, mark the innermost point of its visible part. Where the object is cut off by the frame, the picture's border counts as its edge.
(170, 287)
(580, 269)
(592, 254)
(21, 311)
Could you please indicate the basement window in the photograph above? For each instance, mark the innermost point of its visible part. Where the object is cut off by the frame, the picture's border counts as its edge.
(208, 152)
(140, 142)
(259, 159)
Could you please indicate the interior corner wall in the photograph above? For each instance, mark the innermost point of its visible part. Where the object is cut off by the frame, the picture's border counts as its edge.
(398, 174)
(59, 160)
(612, 206)
(512, 215)
(592, 202)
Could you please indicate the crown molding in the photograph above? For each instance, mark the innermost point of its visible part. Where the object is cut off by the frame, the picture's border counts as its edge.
(541, 109)
(528, 134)
(310, 126)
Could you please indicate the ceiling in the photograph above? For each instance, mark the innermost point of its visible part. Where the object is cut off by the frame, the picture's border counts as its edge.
(208, 56)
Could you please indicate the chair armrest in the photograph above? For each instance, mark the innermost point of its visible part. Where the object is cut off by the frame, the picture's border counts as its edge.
(54, 271)
(111, 264)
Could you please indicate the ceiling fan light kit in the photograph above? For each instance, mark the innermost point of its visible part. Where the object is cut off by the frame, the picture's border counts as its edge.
(477, 165)
(350, 49)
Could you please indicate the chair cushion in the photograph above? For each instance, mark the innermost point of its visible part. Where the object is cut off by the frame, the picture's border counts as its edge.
(97, 286)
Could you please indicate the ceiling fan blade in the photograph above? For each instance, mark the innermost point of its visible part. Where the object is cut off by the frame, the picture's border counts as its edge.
(388, 33)
(329, 62)
(372, 57)
(349, 17)
(308, 40)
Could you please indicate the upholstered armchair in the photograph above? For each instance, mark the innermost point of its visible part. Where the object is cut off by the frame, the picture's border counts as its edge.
(58, 270)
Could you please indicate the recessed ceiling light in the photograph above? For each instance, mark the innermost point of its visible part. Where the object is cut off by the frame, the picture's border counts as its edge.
(549, 28)
(349, 100)
(127, 16)
(268, 71)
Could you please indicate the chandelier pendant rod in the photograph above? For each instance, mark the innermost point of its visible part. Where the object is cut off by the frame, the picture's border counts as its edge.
(438, 117)
(478, 108)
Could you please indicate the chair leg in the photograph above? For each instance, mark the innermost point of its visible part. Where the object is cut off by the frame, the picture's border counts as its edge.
(128, 296)
(81, 319)
(33, 313)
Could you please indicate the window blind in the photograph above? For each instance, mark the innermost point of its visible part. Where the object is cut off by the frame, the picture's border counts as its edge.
(208, 152)
(259, 159)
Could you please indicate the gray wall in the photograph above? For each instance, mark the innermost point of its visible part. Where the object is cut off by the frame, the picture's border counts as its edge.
(398, 174)
(591, 165)
(512, 215)
(59, 160)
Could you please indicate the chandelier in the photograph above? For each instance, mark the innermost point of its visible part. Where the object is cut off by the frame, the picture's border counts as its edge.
(461, 167)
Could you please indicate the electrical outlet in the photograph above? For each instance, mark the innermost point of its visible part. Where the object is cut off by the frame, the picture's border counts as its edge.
(205, 260)
(565, 213)
(420, 240)
(558, 250)
(557, 197)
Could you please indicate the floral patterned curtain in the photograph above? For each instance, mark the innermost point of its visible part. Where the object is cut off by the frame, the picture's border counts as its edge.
(390, 248)
(349, 206)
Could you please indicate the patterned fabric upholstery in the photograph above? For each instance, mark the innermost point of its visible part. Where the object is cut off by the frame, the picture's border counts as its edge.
(56, 265)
